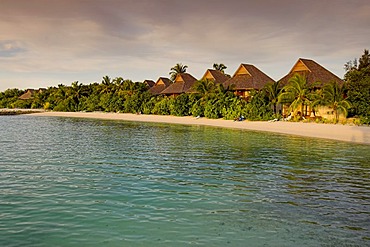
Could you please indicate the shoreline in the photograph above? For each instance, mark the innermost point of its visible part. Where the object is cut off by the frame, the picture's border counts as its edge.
(18, 111)
(346, 133)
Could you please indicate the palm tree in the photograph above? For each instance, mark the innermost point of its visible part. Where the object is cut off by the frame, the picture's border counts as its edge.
(364, 60)
(220, 89)
(106, 80)
(334, 97)
(117, 81)
(177, 69)
(204, 86)
(76, 93)
(220, 67)
(297, 92)
(106, 84)
(273, 91)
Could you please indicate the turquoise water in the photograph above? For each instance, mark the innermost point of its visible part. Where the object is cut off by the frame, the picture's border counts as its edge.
(77, 182)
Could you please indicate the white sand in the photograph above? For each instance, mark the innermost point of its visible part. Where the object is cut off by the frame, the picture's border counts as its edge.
(348, 133)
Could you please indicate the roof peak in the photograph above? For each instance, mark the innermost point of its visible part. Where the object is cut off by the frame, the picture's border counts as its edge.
(314, 71)
(247, 64)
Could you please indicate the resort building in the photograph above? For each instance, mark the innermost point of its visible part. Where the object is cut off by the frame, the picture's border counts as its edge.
(149, 83)
(247, 78)
(30, 93)
(161, 84)
(183, 84)
(314, 73)
(316, 76)
(216, 76)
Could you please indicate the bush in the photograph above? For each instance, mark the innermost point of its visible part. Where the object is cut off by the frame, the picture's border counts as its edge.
(47, 106)
(25, 104)
(258, 108)
(179, 106)
(212, 109)
(233, 108)
(148, 106)
(162, 107)
(365, 120)
(197, 109)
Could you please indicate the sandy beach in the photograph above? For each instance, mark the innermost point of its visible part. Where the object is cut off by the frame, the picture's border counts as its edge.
(348, 133)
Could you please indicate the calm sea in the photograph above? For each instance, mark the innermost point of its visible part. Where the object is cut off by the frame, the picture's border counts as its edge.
(78, 182)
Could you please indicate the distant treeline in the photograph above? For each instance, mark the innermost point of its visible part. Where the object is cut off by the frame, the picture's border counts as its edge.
(210, 100)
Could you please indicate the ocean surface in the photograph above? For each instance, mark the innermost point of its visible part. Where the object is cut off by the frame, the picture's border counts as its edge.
(80, 182)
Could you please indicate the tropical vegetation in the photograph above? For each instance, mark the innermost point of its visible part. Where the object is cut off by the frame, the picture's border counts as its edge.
(209, 100)
(220, 67)
(334, 96)
(177, 69)
(357, 78)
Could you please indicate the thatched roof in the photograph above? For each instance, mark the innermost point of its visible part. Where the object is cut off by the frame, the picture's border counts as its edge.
(217, 76)
(314, 72)
(183, 84)
(161, 84)
(149, 83)
(248, 77)
(28, 94)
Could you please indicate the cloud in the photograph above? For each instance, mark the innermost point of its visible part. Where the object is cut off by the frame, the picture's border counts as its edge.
(144, 38)
(10, 48)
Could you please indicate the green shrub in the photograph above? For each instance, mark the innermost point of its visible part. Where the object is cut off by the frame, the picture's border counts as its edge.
(162, 107)
(212, 109)
(197, 109)
(365, 120)
(179, 106)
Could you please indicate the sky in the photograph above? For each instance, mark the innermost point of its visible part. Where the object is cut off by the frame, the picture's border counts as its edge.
(49, 42)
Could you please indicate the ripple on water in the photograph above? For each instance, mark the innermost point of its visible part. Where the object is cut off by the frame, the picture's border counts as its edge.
(69, 182)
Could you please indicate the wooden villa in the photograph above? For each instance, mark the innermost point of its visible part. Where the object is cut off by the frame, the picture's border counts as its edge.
(216, 76)
(317, 76)
(161, 84)
(247, 78)
(183, 84)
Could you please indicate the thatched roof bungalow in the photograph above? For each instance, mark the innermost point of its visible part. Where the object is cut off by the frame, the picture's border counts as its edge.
(161, 84)
(247, 78)
(316, 75)
(314, 72)
(30, 93)
(183, 84)
(216, 76)
(149, 83)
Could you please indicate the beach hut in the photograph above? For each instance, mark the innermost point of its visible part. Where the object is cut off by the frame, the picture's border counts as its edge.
(28, 94)
(314, 73)
(161, 84)
(183, 84)
(149, 83)
(247, 78)
(216, 76)
(316, 76)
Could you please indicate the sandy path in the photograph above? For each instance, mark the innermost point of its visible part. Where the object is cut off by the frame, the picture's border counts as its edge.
(356, 134)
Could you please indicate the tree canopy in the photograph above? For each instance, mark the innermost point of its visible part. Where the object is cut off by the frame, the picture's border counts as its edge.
(177, 69)
(220, 67)
(357, 79)
(298, 93)
(334, 97)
